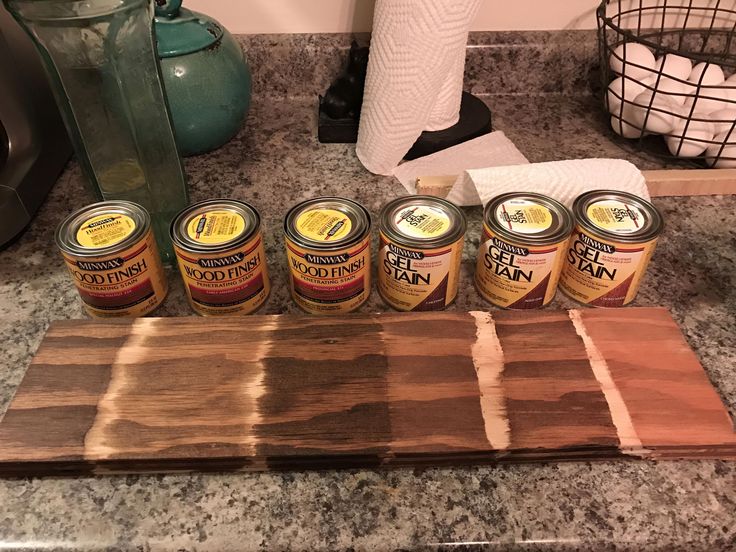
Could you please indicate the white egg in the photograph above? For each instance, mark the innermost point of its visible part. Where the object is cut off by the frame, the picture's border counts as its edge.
(675, 90)
(674, 66)
(691, 142)
(657, 119)
(723, 119)
(623, 128)
(625, 88)
(713, 74)
(722, 158)
(635, 60)
(730, 85)
(709, 99)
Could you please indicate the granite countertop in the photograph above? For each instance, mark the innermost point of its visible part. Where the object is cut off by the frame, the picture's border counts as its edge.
(273, 163)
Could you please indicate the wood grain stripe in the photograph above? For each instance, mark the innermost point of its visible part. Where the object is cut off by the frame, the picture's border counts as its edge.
(628, 438)
(432, 385)
(489, 364)
(552, 396)
(672, 404)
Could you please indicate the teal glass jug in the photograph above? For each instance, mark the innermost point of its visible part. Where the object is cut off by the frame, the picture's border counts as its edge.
(206, 77)
(101, 59)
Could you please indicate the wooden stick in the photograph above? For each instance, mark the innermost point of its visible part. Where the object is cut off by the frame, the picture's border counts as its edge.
(438, 186)
(690, 182)
(661, 183)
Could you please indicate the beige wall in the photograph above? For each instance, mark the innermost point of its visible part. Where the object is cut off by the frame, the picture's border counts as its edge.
(334, 16)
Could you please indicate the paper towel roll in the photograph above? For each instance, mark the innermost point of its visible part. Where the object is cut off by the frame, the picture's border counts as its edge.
(415, 76)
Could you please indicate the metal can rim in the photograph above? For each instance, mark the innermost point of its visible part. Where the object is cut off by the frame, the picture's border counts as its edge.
(455, 233)
(654, 221)
(562, 218)
(67, 229)
(250, 215)
(361, 220)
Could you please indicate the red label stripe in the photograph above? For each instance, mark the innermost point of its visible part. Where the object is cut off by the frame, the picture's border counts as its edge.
(542, 251)
(136, 253)
(438, 253)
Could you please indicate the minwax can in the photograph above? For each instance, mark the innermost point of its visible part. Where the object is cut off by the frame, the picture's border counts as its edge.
(614, 239)
(329, 256)
(111, 254)
(522, 250)
(221, 257)
(421, 246)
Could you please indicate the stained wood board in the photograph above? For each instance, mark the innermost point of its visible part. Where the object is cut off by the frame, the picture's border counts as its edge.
(661, 183)
(296, 392)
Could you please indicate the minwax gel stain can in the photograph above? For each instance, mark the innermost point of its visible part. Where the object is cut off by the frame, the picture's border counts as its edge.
(522, 250)
(111, 254)
(219, 249)
(329, 256)
(421, 246)
(614, 238)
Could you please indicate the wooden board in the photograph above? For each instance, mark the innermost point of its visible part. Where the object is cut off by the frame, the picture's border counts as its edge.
(661, 183)
(283, 392)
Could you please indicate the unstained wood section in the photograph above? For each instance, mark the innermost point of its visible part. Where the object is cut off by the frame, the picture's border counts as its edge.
(296, 392)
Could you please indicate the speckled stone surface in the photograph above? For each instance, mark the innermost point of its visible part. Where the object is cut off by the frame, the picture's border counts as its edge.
(276, 161)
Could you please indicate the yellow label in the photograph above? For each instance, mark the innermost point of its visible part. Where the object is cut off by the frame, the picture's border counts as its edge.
(604, 273)
(232, 282)
(422, 221)
(330, 282)
(418, 279)
(323, 224)
(105, 230)
(127, 283)
(517, 277)
(615, 216)
(523, 216)
(216, 227)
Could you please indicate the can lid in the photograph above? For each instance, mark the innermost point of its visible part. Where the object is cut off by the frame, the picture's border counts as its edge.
(327, 223)
(423, 221)
(102, 228)
(214, 225)
(618, 216)
(528, 218)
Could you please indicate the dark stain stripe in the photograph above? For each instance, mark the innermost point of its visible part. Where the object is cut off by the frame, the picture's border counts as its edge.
(558, 407)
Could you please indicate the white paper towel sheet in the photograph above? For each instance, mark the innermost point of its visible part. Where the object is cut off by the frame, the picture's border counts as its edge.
(561, 180)
(490, 150)
(491, 165)
(415, 76)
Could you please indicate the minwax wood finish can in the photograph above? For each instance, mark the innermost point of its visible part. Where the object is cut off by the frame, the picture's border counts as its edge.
(421, 246)
(613, 241)
(522, 250)
(222, 260)
(329, 256)
(111, 254)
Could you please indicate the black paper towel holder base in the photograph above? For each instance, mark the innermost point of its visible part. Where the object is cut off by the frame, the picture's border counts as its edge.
(475, 120)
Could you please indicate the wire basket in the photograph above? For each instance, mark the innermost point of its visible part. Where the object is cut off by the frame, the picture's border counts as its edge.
(669, 69)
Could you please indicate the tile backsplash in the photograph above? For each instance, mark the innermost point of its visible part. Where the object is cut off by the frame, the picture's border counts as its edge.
(497, 62)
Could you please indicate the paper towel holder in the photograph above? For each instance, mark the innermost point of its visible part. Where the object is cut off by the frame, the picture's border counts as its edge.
(339, 112)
